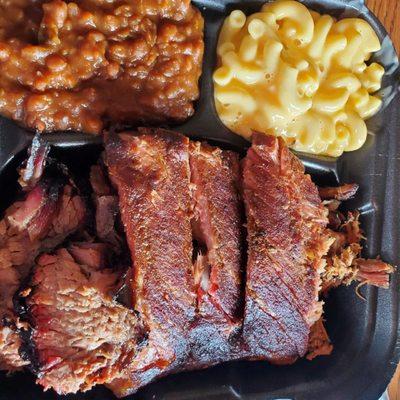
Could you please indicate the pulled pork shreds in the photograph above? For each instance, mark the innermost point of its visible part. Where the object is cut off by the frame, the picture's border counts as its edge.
(340, 268)
(319, 343)
(344, 192)
(373, 272)
(345, 249)
(343, 263)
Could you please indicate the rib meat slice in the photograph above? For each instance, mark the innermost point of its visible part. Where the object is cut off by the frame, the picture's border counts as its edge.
(150, 168)
(286, 242)
(217, 230)
(49, 213)
(80, 336)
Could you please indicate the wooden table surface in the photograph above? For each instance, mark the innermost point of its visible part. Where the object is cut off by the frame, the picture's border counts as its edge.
(388, 12)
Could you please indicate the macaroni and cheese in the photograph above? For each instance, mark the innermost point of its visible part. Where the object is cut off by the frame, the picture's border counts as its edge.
(297, 74)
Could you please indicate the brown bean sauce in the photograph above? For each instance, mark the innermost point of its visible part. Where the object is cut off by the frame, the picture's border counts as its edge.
(81, 65)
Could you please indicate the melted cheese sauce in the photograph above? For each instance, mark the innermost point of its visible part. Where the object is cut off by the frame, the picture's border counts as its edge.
(298, 74)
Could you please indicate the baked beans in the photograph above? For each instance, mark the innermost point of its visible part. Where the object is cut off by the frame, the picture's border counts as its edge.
(82, 65)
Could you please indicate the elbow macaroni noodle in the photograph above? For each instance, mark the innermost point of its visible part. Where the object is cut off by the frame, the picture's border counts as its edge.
(295, 73)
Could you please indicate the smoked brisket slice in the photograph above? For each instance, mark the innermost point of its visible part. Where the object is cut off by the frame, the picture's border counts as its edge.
(217, 231)
(79, 335)
(150, 169)
(286, 242)
(50, 212)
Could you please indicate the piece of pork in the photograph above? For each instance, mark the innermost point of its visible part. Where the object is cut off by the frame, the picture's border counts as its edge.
(287, 240)
(373, 272)
(79, 335)
(94, 255)
(217, 230)
(344, 264)
(344, 192)
(150, 169)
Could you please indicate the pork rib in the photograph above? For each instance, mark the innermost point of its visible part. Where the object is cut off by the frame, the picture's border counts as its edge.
(286, 243)
(151, 172)
(217, 230)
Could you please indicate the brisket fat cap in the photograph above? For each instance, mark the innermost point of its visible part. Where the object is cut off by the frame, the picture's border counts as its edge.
(287, 239)
(49, 213)
(80, 336)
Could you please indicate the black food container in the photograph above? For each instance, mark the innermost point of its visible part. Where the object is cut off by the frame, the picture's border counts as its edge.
(364, 333)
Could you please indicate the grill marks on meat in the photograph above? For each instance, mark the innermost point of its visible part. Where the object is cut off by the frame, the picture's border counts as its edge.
(286, 242)
(151, 172)
(217, 229)
(50, 212)
(81, 336)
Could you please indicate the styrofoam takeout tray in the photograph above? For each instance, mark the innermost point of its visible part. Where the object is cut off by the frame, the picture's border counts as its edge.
(364, 333)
